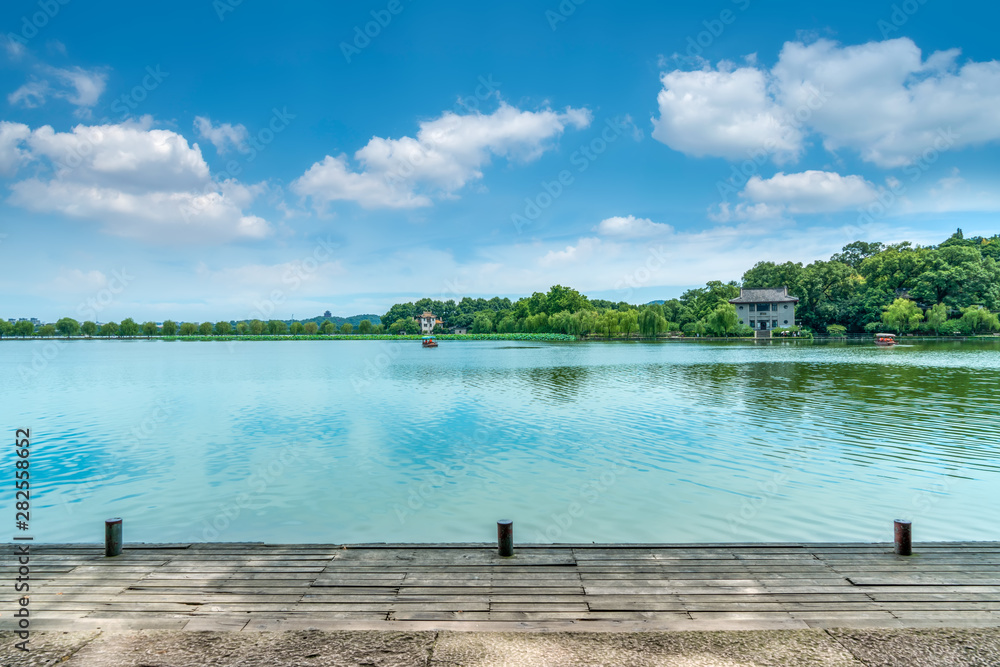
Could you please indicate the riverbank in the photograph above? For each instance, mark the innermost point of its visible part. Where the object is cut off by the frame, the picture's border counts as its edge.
(839, 647)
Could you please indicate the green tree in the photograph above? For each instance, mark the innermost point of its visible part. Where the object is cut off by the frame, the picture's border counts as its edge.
(276, 327)
(628, 322)
(223, 328)
(855, 253)
(937, 316)
(482, 323)
(47, 330)
(88, 328)
(169, 328)
(24, 328)
(346, 328)
(902, 315)
(652, 322)
(311, 328)
(836, 330)
(189, 329)
(150, 329)
(607, 323)
(378, 329)
(256, 327)
(404, 326)
(205, 328)
(365, 327)
(979, 319)
(768, 274)
(242, 328)
(67, 326)
(327, 327)
(6, 328)
(723, 320)
(109, 329)
(296, 328)
(128, 328)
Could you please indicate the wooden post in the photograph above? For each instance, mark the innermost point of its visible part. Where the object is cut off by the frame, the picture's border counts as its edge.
(505, 537)
(113, 537)
(904, 546)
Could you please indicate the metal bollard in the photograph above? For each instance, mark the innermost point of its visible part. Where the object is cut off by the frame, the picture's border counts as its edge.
(113, 537)
(904, 546)
(505, 537)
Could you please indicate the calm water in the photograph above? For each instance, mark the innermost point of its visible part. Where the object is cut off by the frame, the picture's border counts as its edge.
(377, 441)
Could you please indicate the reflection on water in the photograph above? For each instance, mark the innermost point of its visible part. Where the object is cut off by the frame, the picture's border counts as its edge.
(349, 442)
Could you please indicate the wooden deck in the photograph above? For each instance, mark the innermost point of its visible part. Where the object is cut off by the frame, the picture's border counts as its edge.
(690, 587)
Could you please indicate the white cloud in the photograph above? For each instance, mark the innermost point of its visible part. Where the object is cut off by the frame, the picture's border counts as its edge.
(12, 136)
(80, 87)
(222, 136)
(728, 114)
(15, 49)
(880, 99)
(31, 95)
(810, 191)
(804, 192)
(447, 153)
(139, 182)
(631, 227)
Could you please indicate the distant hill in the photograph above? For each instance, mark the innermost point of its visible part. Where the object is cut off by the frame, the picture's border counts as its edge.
(658, 301)
(353, 319)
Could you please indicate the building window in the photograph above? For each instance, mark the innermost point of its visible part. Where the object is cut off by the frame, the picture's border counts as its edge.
(786, 321)
(741, 307)
(774, 306)
(786, 307)
(763, 306)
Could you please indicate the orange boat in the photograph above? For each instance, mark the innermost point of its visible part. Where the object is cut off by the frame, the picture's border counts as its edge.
(885, 339)
(429, 342)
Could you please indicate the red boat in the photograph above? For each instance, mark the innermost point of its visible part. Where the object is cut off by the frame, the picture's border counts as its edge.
(885, 339)
(429, 342)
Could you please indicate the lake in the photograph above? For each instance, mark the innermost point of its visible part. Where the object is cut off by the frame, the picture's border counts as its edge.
(372, 441)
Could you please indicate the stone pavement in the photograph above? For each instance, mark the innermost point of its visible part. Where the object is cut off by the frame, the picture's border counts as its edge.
(834, 647)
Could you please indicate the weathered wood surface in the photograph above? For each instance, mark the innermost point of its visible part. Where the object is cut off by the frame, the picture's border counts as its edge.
(238, 586)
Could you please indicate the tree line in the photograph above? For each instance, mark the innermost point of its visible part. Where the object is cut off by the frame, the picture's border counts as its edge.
(129, 328)
(939, 289)
(947, 288)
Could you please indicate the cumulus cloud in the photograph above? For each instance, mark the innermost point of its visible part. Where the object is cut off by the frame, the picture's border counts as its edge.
(12, 137)
(447, 153)
(223, 136)
(631, 227)
(724, 113)
(882, 100)
(811, 191)
(138, 181)
(806, 192)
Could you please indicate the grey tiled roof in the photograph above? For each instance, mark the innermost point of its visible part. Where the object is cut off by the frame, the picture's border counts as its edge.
(768, 295)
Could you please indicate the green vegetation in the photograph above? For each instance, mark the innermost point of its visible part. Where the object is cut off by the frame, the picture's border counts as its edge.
(951, 288)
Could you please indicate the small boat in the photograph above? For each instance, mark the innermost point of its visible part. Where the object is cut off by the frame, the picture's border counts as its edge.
(429, 341)
(885, 339)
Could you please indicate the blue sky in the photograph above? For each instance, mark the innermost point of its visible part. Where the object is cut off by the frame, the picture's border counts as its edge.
(221, 161)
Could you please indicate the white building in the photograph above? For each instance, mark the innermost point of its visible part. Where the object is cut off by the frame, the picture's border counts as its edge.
(427, 322)
(765, 309)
